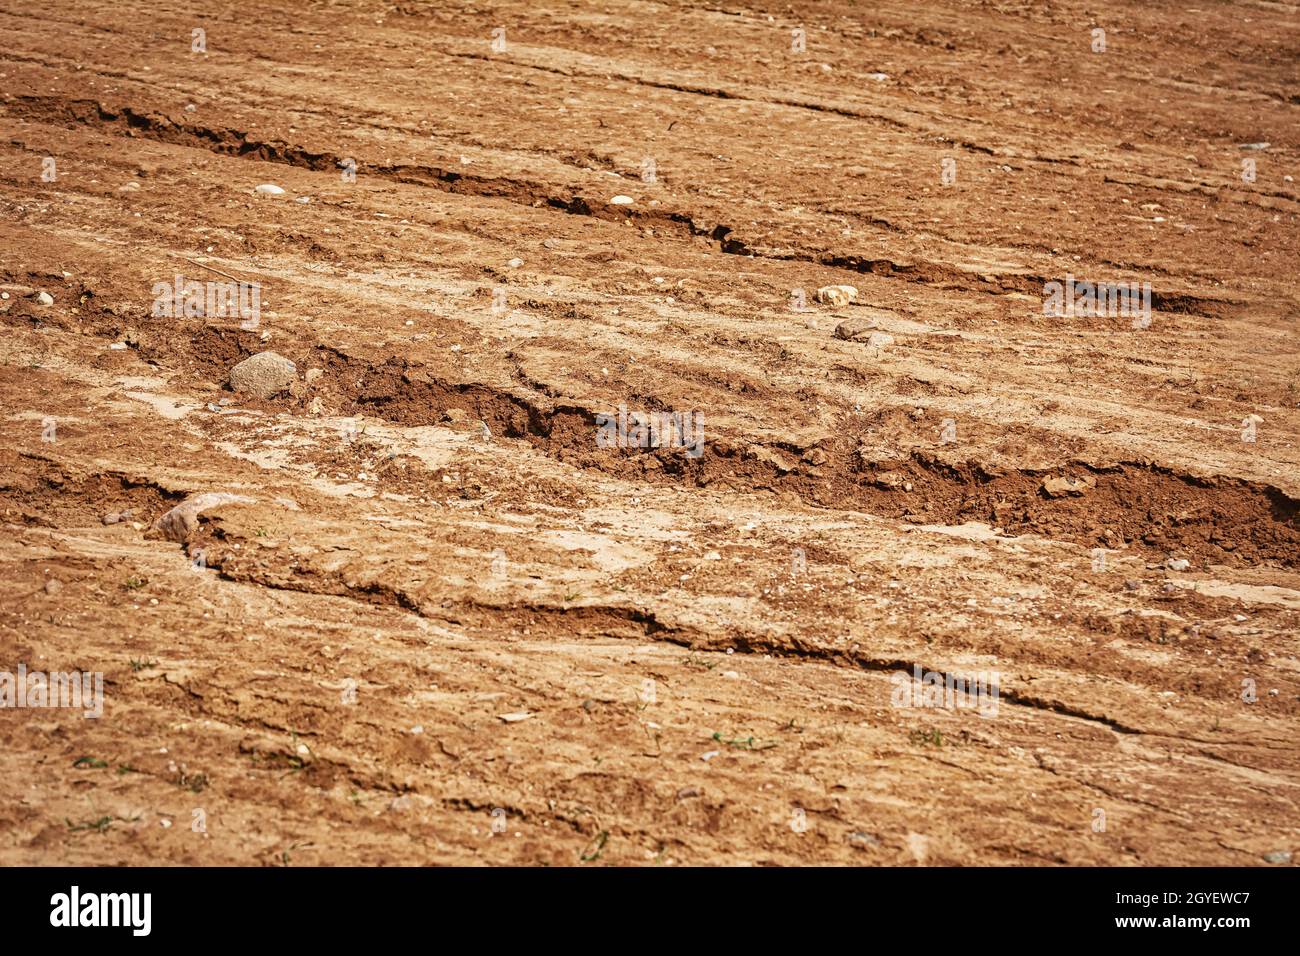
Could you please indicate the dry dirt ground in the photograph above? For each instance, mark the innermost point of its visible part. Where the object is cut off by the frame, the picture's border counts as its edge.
(706, 648)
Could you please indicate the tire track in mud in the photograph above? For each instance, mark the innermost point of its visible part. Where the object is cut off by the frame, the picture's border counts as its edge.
(591, 620)
(715, 92)
(1126, 504)
(622, 622)
(230, 142)
(600, 621)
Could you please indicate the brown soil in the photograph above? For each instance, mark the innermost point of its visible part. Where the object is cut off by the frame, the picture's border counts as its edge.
(707, 647)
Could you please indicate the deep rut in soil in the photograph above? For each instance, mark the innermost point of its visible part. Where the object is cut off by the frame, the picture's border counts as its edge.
(1137, 504)
(230, 142)
(1126, 503)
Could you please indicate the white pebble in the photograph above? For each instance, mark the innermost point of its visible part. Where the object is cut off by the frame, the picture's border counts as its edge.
(269, 189)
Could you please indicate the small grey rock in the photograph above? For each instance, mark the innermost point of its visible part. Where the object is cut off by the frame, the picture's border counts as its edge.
(1278, 856)
(44, 298)
(265, 375)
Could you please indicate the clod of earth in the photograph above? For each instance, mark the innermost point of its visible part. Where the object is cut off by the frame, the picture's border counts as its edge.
(1061, 487)
(179, 523)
